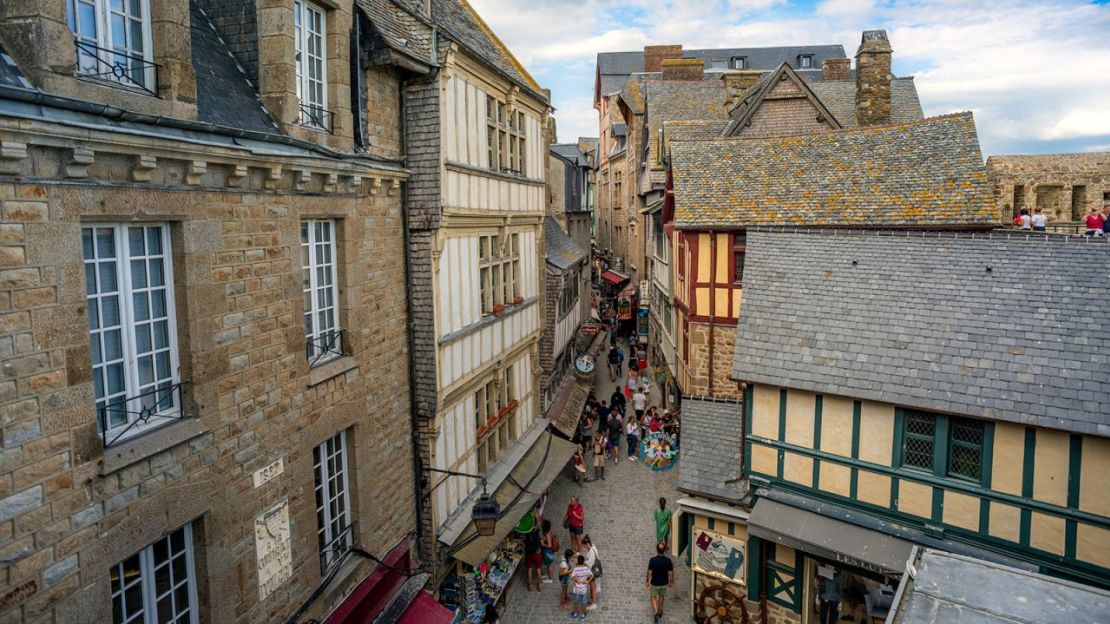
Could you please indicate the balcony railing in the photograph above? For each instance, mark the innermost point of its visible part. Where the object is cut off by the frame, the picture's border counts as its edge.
(319, 118)
(332, 552)
(131, 71)
(158, 404)
(325, 348)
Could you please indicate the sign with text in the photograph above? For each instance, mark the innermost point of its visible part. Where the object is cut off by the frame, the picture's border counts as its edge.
(265, 473)
(273, 548)
(719, 555)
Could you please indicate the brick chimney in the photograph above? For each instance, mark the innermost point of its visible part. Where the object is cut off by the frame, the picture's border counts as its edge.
(737, 83)
(683, 69)
(836, 69)
(873, 79)
(654, 56)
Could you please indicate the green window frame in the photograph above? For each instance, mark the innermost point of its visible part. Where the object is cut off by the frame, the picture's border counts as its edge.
(965, 448)
(947, 446)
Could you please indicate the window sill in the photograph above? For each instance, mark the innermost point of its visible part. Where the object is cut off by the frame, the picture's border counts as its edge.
(331, 369)
(142, 447)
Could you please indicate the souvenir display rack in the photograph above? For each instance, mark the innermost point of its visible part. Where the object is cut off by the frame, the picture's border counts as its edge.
(486, 584)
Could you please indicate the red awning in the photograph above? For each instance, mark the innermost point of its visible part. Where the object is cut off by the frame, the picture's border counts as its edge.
(425, 610)
(614, 278)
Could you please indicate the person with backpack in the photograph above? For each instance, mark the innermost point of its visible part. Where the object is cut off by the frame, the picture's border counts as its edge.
(615, 427)
(593, 561)
(614, 362)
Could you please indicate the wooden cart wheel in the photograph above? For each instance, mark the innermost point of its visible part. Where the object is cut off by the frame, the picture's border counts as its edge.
(718, 604)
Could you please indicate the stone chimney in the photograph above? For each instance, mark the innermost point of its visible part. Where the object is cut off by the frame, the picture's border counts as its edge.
(873, 79)
(655, 55)
(737, 83)
(836, 69)
(683, 69)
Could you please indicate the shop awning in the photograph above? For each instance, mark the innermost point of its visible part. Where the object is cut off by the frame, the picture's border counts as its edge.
(614, 278)
(535, 471)
(566, 409)
(830, 538)
(425, 610)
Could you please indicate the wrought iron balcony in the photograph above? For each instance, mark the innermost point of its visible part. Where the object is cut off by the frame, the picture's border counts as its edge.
(332, 553)
(316, 117)
(128, 70)
(325, 348)
(158, 404)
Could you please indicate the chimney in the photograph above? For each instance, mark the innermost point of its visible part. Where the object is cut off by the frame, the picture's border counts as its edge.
(873, 79)
(737, 83)
(683, 69)
(836, 69)
(655, 55)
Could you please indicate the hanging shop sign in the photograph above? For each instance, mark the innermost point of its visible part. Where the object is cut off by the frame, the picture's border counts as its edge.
(625, 301)
(719, 556)
(659, 451)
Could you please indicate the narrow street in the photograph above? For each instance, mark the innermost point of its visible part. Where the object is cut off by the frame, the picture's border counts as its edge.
(619, 521)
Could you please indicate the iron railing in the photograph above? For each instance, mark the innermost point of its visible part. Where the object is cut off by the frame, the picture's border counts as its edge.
(161, 403)
(313, 116)
(129, 70)
(331, 554)
(325, 348)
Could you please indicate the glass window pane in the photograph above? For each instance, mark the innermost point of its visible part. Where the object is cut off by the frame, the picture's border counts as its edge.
(142, 338)
(141, 303)
(158, 303)
(113, 345)
(161, 335)
(115, 379)
(94, 315)
(108, 277)
(146, 370)
(157, 273)
(138, 274)
(163, 361)
(105, 243)
(90, 279)
(119, 32)
(135, 241)
(154, 240)
(109, 311)
(86, 19)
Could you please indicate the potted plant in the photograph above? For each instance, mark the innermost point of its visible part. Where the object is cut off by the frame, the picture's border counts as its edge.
(517, 300)
(498, 309)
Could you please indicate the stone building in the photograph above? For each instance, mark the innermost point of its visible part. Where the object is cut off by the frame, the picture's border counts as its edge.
(1064, 186)
(570, 183)
(204, 391)
(870, 428)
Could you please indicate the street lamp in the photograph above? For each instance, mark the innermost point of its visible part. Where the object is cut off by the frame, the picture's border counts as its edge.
(486, 511)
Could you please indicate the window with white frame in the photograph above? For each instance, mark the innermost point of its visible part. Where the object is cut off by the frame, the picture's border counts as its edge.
(323, 338)
(495, 133)
(494, 421)
(310, 44)
(132, 327)
(333, 503)
(498, 271)
(113, 41)
(157, 585)
(568, 298)
(516, 136)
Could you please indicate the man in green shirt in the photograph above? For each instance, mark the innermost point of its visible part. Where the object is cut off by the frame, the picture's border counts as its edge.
(663, 522)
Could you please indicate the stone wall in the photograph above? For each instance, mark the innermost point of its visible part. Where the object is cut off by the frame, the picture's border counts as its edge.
(69, 508)
(698, 365)
(383, 116)
(1065, 186)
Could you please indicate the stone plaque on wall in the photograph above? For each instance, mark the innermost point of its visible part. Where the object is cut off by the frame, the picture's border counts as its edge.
(273, 548)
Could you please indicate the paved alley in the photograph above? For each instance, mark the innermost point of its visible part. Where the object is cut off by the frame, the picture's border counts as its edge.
(619, 520)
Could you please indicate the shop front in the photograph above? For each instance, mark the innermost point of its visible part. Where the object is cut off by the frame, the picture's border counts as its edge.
(812, 564)
(713, 538)
(392, 594)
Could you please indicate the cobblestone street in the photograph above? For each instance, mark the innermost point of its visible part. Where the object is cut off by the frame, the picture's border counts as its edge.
(619, 520)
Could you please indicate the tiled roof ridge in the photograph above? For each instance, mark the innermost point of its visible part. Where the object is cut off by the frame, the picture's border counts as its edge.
(996, 235)
(852, 129)
(712, 399)
(504, 48)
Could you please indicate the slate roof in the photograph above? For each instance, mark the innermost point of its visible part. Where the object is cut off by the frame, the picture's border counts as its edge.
(562, 252)
(570, 152)
(400, 27)
(839, 96)
(924, 174)
(955, 588)
(225, 96)
(462, 23)
(1001, 327)
(10, 74)
(672, 100)
(614, 68)
(709, 463)
(756, 94)
(632, 94)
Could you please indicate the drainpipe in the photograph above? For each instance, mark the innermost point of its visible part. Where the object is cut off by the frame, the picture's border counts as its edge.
(712, 303)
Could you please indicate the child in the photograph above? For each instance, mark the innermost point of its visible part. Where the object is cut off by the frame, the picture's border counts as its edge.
(564, 575)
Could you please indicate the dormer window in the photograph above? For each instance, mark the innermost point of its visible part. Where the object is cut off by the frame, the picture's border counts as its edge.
(739, 62)
(310, 40)
(112, 41)
(718, 64)
(805, 61)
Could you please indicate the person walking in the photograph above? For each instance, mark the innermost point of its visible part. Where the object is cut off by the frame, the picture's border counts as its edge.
(533, 557)
(614, 362)
(620, 362)
(617, 402)
(601, 442)
(580, 466)
(660, 576)
(663, 522)
(631, 384)
(549, 544)
(590, 552)
(632, 430)
(639, 403)
(615, 428)
(1040, 221)
(580, 577)
(565, 566)
(575, 521)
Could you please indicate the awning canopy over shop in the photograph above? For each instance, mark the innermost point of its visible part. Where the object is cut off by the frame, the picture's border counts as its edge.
(534, 472)
(566, 409)
(829, 538)
(614, 278)
(425, 610)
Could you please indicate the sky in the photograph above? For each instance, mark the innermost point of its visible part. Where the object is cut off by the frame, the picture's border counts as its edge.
(1036, 74)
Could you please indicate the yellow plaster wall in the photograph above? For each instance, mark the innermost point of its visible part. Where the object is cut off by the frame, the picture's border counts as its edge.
(1047, 533)
(765, 459)
(798, 468)
(836, 426)
(721, 295)
(765, 412)
(1009, 453)
(703, 258)
(737, 295)
(835, 478)
(961, 510)
(800, 406)
(1094, 493)
(876, 432)
(874, 488)
(784, 555)
(1005, 522)
(915, 498)
(701, 300)
(1092, 544)
(724, 258)
(1050, 468)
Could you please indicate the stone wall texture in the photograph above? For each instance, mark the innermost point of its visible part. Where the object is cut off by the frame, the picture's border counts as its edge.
(1065, 186)
(700, 367)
